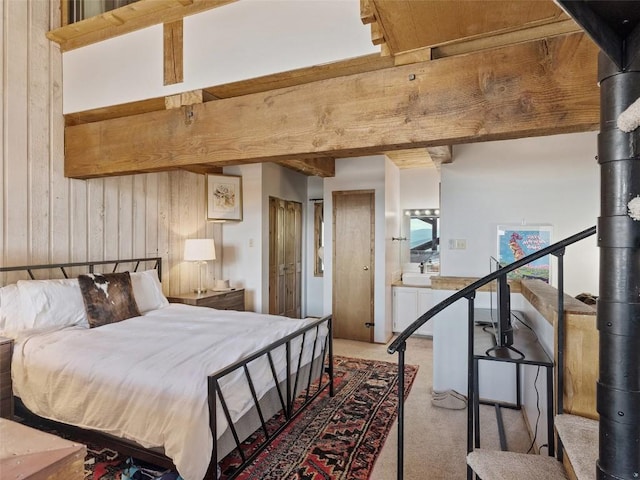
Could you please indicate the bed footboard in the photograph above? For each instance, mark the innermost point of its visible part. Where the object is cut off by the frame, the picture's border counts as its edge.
(303, 382)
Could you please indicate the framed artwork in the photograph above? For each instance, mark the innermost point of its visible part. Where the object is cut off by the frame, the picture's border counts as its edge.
(224, 197)
(517, 241)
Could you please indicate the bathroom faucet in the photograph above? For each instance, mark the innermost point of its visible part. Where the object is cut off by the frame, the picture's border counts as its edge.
(421, 267)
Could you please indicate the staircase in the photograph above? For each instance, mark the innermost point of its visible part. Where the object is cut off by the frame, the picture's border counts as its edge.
(614, 26)
(578, 435)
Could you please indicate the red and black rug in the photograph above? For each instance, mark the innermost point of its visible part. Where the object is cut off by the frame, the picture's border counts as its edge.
(336, 438)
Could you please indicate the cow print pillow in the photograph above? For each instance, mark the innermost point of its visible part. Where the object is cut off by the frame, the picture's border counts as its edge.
(108, 297)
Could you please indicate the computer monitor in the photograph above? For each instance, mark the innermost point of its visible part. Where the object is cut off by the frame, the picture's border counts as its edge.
(501, 308)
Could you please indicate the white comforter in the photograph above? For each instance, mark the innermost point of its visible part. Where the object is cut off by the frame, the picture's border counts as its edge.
(145, 378)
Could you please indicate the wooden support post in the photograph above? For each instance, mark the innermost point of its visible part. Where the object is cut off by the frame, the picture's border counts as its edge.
(173, 42)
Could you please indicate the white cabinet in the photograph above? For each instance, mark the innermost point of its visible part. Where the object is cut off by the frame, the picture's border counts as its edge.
(408, 304)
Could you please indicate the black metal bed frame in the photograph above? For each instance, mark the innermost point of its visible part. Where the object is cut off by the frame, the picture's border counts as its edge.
(291, 404)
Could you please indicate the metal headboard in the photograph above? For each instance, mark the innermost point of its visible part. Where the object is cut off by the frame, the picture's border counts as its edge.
(157, 264)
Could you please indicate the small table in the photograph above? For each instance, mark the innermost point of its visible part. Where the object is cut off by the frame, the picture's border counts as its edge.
(524, 342)
(27, 453)
(232, 299)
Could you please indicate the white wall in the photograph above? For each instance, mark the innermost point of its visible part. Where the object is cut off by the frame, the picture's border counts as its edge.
(419, 188)
(314, 286)
(361, 173)
(242, 242)
(47, 218)
(550, 180)
(234, 42)
(392, 219)
(246, 243)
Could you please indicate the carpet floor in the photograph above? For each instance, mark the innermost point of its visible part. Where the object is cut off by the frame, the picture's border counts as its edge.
(336, 438)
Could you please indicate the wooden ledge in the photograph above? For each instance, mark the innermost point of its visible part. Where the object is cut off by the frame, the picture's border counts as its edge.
(544, 298)
(458, 283)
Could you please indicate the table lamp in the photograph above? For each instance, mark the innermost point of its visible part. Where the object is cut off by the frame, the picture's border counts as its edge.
(199, 250)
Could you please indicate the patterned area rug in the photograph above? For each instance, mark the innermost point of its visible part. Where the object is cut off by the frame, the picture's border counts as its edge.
(336, 438)
(340, 437)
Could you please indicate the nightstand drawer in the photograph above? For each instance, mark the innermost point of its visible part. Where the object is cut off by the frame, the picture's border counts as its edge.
(6, 387)
(231, 300)
(6, 408)
(6, 349)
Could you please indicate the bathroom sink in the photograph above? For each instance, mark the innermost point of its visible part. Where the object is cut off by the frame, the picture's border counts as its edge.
(417, 279)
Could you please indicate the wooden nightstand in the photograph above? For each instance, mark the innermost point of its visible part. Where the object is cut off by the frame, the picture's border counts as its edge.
(228, 300)
(6, 388)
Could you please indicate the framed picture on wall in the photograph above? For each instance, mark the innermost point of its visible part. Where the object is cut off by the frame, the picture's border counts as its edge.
(224, 197)
(517, 241)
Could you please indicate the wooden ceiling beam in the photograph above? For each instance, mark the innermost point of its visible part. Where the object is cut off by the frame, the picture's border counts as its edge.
(407, 25)
(366, 63)
(441, 154)
(132, 17)
(319, 167)
(203, 169)
(115, 111)
(548, 30)
(538, 88)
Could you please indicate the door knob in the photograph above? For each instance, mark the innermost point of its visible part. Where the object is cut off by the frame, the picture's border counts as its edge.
(365, 267)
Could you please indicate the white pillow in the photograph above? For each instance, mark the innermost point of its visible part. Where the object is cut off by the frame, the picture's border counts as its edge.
(52, 303)
(147, 290)
(12, 315)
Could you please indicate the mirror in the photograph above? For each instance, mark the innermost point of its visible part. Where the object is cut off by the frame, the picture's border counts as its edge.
(422, 231)
(318, 238)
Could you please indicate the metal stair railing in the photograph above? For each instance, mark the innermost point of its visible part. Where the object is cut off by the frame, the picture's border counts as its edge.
(399, 345)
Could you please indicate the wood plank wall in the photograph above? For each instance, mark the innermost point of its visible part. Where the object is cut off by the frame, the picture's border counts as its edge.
(47, 218)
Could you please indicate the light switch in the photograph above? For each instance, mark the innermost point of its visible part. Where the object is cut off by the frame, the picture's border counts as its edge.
(457, 244)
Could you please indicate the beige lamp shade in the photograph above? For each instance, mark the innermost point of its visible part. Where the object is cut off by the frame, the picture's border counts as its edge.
(199, 249)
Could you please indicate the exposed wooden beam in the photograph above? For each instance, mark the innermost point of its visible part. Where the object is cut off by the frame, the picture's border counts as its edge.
(410, 158)
(548, 30)
(440, 155)
(365, 63)
(132, 17)
(115, 111)
(173, 64)
(412, 56)
(407, 25)
(536, 88)
(203, 169)
(185, 98)
(320, 167)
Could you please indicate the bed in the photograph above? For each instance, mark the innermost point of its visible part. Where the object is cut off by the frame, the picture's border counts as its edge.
(157, 384)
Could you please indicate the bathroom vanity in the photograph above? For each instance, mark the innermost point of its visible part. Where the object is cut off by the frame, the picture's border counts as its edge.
(408, 304)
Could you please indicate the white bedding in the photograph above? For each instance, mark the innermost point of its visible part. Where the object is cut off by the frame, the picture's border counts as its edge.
(145, 378)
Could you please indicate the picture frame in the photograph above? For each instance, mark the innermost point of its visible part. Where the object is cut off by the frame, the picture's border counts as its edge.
(517, 241)
(224, 197)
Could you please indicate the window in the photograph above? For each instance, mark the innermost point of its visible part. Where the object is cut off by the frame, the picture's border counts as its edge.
(81, 9)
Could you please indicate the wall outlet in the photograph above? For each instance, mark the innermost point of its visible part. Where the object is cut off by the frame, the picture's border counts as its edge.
(250, 242)
(457, 244)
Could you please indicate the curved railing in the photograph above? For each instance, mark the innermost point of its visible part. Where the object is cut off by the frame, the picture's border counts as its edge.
(399, 345)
